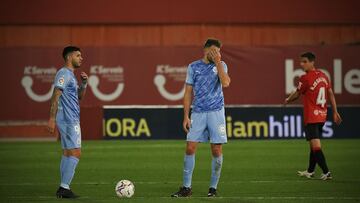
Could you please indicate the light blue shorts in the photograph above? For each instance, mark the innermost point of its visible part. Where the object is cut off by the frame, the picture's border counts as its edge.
(70, 135)
(208, 126)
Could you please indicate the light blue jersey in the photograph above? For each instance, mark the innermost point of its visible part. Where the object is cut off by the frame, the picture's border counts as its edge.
(68, 109)
(207, 116)
(208, 94)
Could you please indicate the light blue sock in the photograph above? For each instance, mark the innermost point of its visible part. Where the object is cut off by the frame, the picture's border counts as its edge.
(189, 163)
(62, 164)
(69, 171)
(216, 165)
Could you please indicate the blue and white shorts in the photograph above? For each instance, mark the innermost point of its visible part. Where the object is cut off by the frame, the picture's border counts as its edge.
(70, 135)
(208, 126)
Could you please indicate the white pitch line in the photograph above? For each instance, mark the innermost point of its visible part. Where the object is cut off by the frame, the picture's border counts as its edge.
(228, 197)
(41, 197)
(178, 182)
(275, 198)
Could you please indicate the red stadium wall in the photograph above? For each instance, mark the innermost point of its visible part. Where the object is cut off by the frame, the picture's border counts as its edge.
(178, 23)
(178, 12)
(178, 35)
(139, 40)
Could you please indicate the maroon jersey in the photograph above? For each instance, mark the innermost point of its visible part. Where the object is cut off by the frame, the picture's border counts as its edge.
(314, 86)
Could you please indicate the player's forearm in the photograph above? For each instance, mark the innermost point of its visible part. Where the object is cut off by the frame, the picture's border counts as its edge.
(187, 100)
(187, 105)
(224, 77)
(53, 107)
(54, 103)
(333, 101)
(293, 96)
(82, 91)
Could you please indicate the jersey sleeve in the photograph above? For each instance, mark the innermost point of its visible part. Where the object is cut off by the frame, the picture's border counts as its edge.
(302, 85)
(189, 76)
(225, 66)
(61, 80)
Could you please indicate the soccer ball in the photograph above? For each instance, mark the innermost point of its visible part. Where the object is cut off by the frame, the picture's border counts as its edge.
(124, 188)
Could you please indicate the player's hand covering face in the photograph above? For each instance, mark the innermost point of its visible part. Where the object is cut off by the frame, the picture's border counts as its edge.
(213, 54)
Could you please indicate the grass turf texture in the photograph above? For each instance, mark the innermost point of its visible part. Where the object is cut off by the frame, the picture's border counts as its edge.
(253, 171)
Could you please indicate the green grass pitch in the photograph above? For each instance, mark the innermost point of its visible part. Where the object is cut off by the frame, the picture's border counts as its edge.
(253, 171)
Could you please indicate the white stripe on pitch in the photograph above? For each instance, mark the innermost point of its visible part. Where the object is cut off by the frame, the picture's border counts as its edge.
(173, 182)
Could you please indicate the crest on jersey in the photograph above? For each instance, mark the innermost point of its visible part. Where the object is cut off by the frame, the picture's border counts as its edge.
(61, 81)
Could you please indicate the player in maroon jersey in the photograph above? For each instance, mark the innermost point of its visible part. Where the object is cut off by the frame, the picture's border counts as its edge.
(316, 89)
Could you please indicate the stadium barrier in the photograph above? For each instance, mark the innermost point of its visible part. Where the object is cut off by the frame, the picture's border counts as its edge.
(22, 130)
(242, 122)
(91, 127)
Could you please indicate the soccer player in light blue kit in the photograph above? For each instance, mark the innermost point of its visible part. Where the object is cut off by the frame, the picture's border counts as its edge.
(65, 112)
(205, 80)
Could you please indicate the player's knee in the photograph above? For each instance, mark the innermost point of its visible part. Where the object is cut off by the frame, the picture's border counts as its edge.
(76, 153)
(190, 150)
(216, 150)
(216, 153)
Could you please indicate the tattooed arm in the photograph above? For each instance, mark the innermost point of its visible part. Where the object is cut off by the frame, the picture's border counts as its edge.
(53, 109)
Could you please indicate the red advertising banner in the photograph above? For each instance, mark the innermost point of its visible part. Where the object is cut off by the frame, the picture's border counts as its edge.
(156, 75)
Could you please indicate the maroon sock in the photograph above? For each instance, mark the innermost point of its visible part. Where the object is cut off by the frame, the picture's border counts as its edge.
(320, 159)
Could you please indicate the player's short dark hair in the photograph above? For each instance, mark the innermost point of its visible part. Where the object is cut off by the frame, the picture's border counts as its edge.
(69, 49)
(212, 41)
(309, 55)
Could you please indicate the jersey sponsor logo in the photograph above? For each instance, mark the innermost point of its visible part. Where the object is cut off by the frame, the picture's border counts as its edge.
(112, 75)
(318, 112)
(41, 75)
(173, 73)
